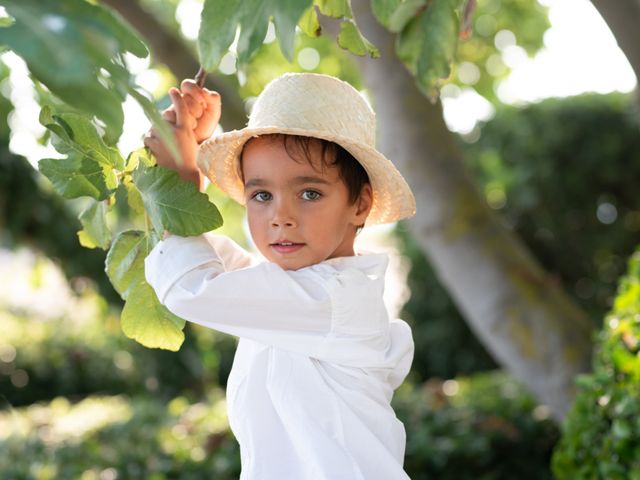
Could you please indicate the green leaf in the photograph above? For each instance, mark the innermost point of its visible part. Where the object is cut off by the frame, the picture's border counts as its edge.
(139, 156)
(125, 260)
(162, 127)
(253, 28)
(309, 23)
(351, 39)
(335, 8)
(75, 177)
(286, 15)
(383, 9)
(75, 134)
(218, 25)
(221, 19)
(404, 13)
(72, 47)
(428, 43)
(148, 322)
(173, 204)
(395, 14)
(95, 231)
(134, 198)
(89, 168)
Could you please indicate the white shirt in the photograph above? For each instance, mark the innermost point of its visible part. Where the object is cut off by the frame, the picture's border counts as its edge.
(317, 363)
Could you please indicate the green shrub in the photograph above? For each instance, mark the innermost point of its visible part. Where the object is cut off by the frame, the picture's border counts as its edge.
(115, 437)
(484, 427)
(601, 434)
(82, 351)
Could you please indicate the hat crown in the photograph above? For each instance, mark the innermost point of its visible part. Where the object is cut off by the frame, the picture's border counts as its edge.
(324, 106)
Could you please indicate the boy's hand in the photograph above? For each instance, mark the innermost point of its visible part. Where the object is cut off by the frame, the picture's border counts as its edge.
(205, 106)
(193, 116)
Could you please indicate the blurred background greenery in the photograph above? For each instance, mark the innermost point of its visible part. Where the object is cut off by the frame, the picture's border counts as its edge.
(80, 400)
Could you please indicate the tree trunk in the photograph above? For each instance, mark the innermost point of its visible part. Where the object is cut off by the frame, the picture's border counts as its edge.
(519, 312)
(622, 17)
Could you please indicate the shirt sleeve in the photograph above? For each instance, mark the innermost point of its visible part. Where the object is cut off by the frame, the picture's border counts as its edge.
(207, 280)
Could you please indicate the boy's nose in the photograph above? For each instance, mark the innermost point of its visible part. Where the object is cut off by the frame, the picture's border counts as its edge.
(283, 221)
(282, 217)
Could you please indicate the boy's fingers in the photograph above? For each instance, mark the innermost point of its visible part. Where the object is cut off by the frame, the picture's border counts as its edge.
(153, 142)
(195, 107)
(169, 115)
(190, 87)
(212, 99)
(213, 110)
(150, 141)
(183, 118)
(211, 114)
(195, 97)
(208, 122)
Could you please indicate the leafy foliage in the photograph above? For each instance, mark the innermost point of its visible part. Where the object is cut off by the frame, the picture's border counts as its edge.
(601, 434)
(428, 43)
(81, 351)
(479, 63)
(143, 438)
(169, 203)
(269, 63)
(95, 231)
(90, 166)
(221, 19)
(480, 427)
(350, 37)
(427, 31)
(75, 48)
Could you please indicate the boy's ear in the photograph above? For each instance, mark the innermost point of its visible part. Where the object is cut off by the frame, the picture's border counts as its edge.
(365, 202)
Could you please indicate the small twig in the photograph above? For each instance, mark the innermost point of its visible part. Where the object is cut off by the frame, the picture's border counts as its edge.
(201, 76)
(467, 19)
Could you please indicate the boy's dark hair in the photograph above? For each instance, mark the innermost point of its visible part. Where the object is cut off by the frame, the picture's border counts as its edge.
(333, 155)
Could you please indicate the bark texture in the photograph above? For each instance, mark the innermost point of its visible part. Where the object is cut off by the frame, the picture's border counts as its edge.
(519, 313)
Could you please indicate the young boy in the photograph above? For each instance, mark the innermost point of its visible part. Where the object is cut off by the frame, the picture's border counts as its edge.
(318, 357)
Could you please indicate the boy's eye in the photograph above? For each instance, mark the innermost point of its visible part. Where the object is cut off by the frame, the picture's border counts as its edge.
(311, 195)
(261, 196)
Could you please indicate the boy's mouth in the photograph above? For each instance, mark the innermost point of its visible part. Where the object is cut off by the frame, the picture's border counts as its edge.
(286, 246)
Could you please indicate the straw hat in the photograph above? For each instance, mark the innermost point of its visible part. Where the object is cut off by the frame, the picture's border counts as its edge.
(318, 106)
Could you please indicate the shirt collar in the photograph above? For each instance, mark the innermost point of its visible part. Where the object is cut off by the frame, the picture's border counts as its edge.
(369, 262)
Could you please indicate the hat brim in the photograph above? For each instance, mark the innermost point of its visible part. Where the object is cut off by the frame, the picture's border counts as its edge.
(392, 197)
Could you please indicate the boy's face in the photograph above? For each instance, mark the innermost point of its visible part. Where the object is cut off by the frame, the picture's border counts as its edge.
(299, 214)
